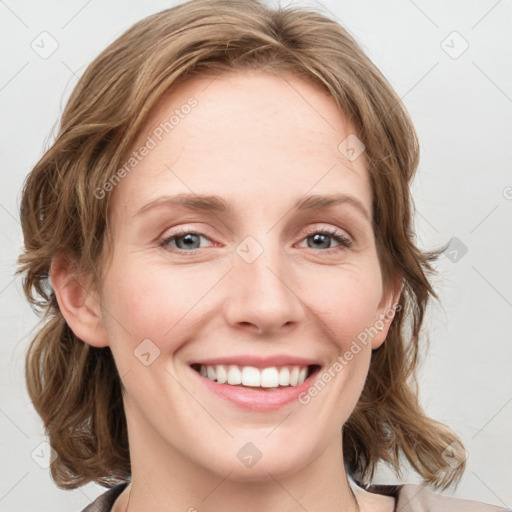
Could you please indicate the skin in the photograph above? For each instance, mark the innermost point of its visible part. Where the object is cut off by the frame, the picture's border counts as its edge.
(259, 141)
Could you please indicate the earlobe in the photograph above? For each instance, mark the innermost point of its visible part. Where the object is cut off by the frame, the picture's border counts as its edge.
(387, 309)
(77, 302)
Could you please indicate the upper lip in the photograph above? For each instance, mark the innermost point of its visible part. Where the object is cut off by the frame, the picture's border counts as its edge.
(257, 361)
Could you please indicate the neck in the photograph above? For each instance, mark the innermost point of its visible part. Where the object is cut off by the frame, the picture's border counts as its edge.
(164, 479)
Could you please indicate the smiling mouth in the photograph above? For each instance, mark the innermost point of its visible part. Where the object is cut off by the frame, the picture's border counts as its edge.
(264, 379)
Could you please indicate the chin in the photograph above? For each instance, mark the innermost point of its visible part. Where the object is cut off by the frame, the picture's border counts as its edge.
(254, 462)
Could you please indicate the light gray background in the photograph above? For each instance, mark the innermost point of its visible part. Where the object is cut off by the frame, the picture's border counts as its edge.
(461, 106)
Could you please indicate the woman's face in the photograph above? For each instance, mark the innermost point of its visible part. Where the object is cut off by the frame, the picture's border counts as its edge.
(243, 284)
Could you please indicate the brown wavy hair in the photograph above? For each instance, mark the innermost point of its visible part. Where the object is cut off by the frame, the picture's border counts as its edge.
(75, 387)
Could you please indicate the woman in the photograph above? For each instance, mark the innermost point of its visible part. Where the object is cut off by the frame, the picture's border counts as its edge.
(236, 296)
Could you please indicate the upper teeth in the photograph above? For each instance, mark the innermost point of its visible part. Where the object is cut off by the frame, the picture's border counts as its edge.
(255, 377)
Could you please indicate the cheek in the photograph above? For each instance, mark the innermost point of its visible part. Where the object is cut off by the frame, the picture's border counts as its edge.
(348, 301)
(348, 307)
(151, 301)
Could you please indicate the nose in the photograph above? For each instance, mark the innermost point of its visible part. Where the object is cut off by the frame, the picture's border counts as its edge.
(261, 297)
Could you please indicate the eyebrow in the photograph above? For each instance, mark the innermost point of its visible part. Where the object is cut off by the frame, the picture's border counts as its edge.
(214, 203)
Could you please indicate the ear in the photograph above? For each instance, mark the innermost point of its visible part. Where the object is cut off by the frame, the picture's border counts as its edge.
(78, 303)
(386, 310)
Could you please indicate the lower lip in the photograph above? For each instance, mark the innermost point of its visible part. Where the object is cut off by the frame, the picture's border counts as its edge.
(254, 399)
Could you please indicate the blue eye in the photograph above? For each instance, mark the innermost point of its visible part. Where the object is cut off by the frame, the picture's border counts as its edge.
(190, 241)
(321, 239)
(184, 241)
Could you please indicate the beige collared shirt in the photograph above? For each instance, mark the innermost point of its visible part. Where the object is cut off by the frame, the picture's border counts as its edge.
(408, 498)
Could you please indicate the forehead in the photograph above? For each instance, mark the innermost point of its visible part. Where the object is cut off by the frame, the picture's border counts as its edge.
(240, 135)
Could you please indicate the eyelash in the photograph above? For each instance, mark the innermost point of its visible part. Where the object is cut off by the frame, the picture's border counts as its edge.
(338, 236)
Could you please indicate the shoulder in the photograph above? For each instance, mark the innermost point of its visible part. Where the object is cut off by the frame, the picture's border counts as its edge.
(420, 498)
(413, 497)
(105, 501)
